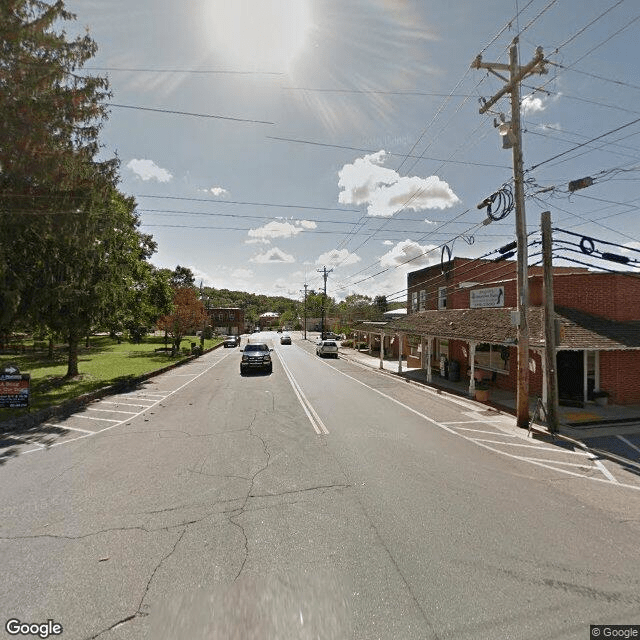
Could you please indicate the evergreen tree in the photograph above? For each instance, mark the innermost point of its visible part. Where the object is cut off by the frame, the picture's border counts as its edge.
(69, 245)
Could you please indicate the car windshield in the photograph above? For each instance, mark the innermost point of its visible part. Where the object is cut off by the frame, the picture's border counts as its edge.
(256, 347)
(330, 343)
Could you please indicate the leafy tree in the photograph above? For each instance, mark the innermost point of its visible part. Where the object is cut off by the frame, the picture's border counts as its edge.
(188, 316)
(74, 246)
(381, 304)
(182, 277)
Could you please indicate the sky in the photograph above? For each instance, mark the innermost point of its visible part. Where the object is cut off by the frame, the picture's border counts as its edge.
(264, 140)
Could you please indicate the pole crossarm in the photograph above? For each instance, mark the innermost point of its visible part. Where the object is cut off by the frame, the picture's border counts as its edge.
(536, 65)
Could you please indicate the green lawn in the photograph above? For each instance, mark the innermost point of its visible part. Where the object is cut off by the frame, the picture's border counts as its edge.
(104, 363)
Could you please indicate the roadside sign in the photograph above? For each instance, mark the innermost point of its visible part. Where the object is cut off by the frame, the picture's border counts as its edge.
(14, 388)
(489, 297)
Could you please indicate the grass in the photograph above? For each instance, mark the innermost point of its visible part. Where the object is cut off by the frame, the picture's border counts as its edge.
(104, 363)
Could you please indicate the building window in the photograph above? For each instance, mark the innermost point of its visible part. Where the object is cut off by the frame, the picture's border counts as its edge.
(423, 300)
(414, 301)
(442, 297)
(493, 357)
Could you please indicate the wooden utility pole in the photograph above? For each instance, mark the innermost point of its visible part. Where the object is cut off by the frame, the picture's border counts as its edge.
(325, 275)
(304, 327)
(549, 325)
(514, 133)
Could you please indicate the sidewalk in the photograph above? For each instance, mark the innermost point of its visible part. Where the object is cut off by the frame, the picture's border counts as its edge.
(585, 422)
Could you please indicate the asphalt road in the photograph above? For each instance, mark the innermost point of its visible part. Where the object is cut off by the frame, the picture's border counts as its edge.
(325, 500)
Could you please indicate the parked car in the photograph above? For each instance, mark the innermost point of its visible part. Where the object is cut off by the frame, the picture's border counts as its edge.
(327, 348)
(256, 355)
(285, 339)
(231, 341)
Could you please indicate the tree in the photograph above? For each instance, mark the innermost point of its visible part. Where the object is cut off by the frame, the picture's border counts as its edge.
(188, 316)
(381, 304)
(75, 248)
(182, 277)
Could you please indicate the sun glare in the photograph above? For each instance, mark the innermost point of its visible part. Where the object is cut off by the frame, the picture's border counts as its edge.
(258, 35)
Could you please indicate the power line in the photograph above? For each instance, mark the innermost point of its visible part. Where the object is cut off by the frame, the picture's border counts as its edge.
(195, 71)
(583, 29)
(626, 26)
(595, 76)
(253, 204)
(361, 150)
(377, 92)
(559, 155)
(188, 113)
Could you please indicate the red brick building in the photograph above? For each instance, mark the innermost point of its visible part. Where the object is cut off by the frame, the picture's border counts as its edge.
(460, 316)
(226, 320)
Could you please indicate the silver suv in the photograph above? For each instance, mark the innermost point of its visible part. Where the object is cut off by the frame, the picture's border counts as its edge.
(256, 355)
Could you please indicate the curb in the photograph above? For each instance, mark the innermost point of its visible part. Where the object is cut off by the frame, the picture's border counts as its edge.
(31, 420)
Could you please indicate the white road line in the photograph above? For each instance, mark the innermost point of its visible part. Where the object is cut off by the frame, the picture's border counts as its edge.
(77, 415)
(533, 446)
(602, 468)
(627, 442)
(111, 411)
(493, 433)
(567, 464)
(314, 418)
(462, 422)
(609, 478)
(124, 404)
(59, 426)
(150, 396)
(93, 433)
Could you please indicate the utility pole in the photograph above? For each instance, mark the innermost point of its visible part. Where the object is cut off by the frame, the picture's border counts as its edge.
(305, 310)
(325, 274)
(549, 325)
(514, 133)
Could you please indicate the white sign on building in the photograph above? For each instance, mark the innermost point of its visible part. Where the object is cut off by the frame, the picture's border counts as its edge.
(490, 297)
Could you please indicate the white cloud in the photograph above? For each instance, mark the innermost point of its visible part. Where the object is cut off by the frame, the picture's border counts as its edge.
(272, 256)
(148, 170)
(218, 192)
(277, 229)
(419, 255)
(531, 104)
(388, 243)
(243, 274)
(338, 256)
(366, 181)
(258, 241)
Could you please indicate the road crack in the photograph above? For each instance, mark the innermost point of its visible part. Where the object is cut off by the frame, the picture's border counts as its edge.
(241, 509)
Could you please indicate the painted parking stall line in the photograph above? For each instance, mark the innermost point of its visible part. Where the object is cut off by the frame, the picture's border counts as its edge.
(485, 421)
(114, 423)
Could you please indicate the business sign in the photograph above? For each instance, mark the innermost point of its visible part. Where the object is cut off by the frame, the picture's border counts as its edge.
(14, 388)
(483, 298)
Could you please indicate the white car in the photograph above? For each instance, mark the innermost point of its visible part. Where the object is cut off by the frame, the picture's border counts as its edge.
(327, 348)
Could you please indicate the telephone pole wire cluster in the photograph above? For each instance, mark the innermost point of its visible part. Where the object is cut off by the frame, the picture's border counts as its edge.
(512, 133)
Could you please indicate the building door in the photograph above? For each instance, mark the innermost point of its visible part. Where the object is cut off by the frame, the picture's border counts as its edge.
(570, 376)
